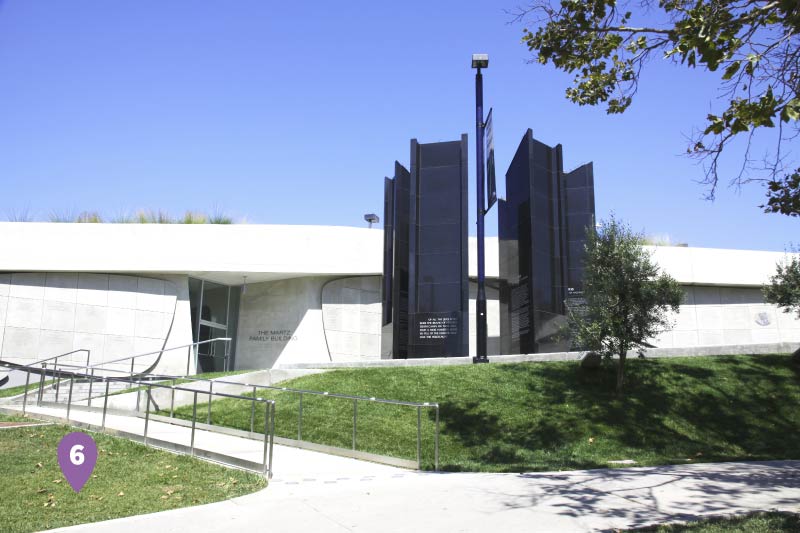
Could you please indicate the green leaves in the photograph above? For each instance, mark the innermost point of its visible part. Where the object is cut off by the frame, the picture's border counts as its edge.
(754, 44)
(627, 298)
(784, 287)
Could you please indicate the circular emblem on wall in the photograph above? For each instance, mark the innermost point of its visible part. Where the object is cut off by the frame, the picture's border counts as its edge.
(762, 319)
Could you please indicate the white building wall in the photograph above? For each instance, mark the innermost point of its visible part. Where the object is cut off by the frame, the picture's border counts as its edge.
(351, 314)
(280, 322)
(43, 314)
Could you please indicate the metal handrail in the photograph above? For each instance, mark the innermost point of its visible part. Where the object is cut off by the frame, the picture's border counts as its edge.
(226, 339)
(300, 392)
(60, 355)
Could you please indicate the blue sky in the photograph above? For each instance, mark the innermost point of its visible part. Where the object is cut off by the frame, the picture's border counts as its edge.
(292, 113)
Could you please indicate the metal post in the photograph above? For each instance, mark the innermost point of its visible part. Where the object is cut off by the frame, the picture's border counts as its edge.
(41, 384)
(105, 404)
(91, 383)
(25, 396)
(300, 419)
(69, 398)
(194, 420)
(355, 421)
(266, 434)
(138, 395)
(436, 441)
(480, 302)
(419, 438)
(57, 377)
(188, 358)
(271, 435)
(88, 354)
(130, 384)
(147, 414)
(172, 401)
(253, 411)
(210, 391)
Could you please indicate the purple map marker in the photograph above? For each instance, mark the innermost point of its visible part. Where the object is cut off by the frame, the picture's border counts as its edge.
(77, 455)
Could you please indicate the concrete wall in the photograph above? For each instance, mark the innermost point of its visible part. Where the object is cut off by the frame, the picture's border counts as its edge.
(713, 316)
(281, 322)
(351, 314)
(113, 316)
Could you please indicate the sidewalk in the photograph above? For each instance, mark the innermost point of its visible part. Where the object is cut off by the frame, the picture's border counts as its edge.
(593, 500)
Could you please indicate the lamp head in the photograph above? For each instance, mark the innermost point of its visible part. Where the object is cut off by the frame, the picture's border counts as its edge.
(480, 60)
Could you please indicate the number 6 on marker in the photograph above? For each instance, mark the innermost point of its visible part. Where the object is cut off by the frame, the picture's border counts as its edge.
(76, 455)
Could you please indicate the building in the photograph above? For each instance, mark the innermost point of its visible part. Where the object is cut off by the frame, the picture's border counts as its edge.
(285, 294)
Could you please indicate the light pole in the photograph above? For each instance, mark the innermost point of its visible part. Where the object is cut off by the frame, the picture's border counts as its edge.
(480, 61)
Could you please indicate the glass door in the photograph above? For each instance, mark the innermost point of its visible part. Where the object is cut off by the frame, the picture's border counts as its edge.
(214, 311)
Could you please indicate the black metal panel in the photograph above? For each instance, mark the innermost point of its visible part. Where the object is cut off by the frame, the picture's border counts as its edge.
(427, 278)
(541, 232)
(400, 276)
(388, 249)
(438, 278)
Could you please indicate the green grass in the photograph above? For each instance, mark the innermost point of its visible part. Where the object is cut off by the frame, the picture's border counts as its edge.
(128, 479)
(552, 416)
(15, 418)
(761, 522)
(14, 391)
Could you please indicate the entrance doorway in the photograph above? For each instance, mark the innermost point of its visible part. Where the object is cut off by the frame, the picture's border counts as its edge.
(215, 313)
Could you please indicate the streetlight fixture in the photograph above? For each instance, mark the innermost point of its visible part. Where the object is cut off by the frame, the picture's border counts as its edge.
(371, 218)
(480, 61)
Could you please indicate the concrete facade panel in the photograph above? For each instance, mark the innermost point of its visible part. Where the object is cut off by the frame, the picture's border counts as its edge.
(58, 315)
(61, 287)
(24, 313)
(90, 318)
(122, 291)
(121, 322)
(90, 341)
(5, 284)
(150, 324)
(53, 343)
(92, 289)
(49, 320)
(709, 317)
(21, 343)
(27, 285)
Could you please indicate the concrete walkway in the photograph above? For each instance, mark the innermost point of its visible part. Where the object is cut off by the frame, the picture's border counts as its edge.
(593, 500)
(289, 464)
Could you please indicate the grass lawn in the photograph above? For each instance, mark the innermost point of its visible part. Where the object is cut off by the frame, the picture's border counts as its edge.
(19, 389)
(553, 416)
(128, 479)
(771, 522)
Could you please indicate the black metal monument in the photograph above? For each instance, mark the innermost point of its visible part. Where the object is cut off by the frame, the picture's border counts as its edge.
(542, 230)
(425, 278)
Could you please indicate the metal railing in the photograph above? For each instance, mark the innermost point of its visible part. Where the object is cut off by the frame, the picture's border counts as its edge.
(89, 370)
(152, 379)
(269, 409)
(254, 388)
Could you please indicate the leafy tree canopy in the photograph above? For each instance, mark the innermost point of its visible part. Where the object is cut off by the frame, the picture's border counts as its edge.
(784, 287)
(752, 43)
(627, 299)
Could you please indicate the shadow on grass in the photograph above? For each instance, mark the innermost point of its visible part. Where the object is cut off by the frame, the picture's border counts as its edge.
(555, 416)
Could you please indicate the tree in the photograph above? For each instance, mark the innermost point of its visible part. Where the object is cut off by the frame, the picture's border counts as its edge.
(754, 44)
(627, 299)
(784, 287)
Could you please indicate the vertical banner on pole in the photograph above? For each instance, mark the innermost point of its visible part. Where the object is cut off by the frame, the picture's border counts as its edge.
(491, 182)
